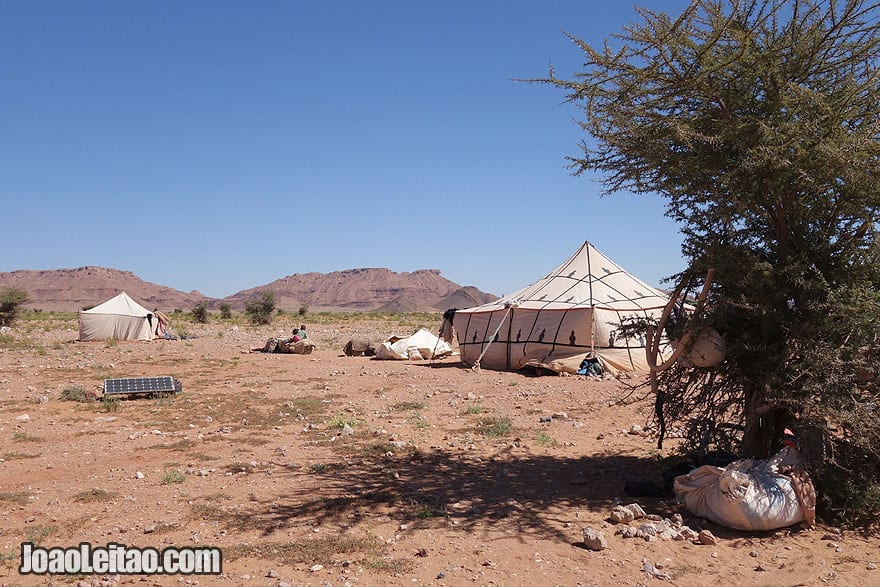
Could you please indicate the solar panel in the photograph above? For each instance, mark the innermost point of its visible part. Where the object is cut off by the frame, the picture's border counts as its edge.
(165, 384)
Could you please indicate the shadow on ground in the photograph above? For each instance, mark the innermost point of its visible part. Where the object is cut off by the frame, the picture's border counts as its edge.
(522, 493)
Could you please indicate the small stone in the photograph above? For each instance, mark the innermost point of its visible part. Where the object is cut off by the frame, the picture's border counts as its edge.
(316, 568)
(272, 574)
(347, 430)
(139, 475)
(871, 567)
(594, 540)
(149, 529)
(637, 511)
(23, 418)
(622, 515)
(707, 538)
(753, 553)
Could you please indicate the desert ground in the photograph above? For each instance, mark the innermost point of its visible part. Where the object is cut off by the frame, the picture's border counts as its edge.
(323, 469)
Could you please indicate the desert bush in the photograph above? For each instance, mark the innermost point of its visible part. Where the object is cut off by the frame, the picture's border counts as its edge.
(260, 309)
(11, 301)
(76, 394)
(200, 313)
(225, 311)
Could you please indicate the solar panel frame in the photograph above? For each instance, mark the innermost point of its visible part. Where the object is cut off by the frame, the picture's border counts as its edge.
(142, 385)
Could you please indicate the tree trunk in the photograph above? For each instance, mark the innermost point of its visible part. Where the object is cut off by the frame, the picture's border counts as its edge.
(765, 425)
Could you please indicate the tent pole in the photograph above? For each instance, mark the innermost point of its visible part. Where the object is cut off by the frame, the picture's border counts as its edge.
(510, 306)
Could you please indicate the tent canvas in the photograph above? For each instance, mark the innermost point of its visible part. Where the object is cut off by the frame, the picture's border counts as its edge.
(119, 318)
(419, 345)
(557, 321)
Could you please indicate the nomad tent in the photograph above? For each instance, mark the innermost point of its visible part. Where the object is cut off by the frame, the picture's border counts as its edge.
(120, 318)
(558, 321)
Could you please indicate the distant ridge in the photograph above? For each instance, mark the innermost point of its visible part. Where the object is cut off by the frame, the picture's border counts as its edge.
(362, 290)
(353, 290)
(83, 287)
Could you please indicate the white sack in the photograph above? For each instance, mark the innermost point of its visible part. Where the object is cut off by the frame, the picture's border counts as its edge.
(747, 494)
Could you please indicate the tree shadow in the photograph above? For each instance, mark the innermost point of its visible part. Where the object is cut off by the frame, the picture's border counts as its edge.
(524, 494)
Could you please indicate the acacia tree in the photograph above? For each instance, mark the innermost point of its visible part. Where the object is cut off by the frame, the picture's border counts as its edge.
(11, 301)
(757, 121)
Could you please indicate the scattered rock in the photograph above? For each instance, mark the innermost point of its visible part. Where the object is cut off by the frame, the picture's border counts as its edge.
(594, 539)
(707, 538)
(655, 571)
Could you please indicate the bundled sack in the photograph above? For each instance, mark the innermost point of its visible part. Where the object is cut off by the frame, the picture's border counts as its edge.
(751, 494)
(359, 347)
(301, 347)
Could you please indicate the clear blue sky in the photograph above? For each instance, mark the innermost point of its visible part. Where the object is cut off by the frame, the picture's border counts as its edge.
(222, 145)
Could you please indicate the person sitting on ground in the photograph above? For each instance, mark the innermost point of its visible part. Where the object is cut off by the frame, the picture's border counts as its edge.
(302, 332)
(297, 335)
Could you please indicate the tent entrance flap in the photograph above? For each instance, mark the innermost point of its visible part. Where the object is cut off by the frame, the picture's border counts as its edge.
(510, 306)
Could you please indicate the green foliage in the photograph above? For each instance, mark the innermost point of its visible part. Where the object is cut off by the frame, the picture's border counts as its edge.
(76, 394)
(340, 421)
(259, 310)
(545, 439)
(303, 310)
(11, 301)
(225, 311)
(110, 403)
(200, 313)
(758, 124)
(496, 427)
(173, 476)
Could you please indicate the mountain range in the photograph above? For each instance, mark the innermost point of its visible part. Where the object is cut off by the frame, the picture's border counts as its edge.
(352, 290)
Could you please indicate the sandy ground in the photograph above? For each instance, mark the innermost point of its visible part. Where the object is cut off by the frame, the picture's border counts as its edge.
(324, 469)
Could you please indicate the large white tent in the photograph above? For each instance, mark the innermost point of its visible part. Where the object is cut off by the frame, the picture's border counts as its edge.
(562, 318)
(119, 318)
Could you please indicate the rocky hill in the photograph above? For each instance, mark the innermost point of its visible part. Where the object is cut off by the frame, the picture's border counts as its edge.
(84, 287)
(366, 290)
(351, 290)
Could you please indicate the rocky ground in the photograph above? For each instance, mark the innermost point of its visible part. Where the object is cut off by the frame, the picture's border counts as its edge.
(324, 469)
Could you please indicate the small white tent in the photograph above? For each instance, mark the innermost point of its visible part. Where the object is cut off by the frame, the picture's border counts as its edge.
(119, 318)
(560, 319)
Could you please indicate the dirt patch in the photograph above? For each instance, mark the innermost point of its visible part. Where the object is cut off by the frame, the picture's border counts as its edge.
(325, 469)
